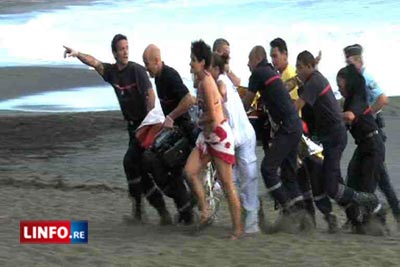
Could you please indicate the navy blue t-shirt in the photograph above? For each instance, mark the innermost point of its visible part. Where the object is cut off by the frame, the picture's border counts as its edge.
(170, 91)
(131, 86)
(319, 95)
(275, 96)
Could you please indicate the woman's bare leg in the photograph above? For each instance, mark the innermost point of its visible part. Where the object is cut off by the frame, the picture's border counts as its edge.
(193, 168)
(224, 171)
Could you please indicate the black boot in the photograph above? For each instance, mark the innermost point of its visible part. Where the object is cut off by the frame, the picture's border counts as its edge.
(186, 217)
(165, 216)
(368, 201)
(138, 212)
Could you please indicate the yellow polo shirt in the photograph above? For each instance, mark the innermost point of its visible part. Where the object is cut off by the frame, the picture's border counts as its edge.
(287, 74)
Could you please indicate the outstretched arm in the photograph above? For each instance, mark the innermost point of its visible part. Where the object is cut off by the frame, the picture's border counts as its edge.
(85, 59)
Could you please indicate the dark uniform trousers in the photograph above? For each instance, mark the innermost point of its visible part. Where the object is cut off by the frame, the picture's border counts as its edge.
(363, 169)
(333, 185)
(311, 184)
(282, 152)
(171, 180)
(139, 182)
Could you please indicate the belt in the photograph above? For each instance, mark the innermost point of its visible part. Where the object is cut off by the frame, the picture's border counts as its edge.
(369, 135)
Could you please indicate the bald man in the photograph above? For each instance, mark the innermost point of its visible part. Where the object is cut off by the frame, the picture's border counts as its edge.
(175, 102)
(173, 94)
(281, 152)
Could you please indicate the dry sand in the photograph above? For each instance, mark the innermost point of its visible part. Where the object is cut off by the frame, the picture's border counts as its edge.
(69, 167)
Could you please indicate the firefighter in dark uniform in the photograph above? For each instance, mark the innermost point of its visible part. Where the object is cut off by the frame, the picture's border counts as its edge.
(176, 101)
(363, 172)
(331, 132)
(283, 147)
(377, 100)
(136, 98)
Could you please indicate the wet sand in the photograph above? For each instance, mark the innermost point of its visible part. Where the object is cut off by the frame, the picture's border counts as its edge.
(20, 81)
(69, 167)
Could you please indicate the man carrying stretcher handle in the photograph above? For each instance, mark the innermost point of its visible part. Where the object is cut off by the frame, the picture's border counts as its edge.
(175, 101)
(283, 147)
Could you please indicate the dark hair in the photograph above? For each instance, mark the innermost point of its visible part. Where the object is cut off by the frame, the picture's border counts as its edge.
(355, 82)
(306, 58)
(342, 73)
(115, 40)
(219, 42)
(201, 51)
(219, 61)
(280, 44)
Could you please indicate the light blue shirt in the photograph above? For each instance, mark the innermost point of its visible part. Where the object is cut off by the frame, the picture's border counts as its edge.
(372, 87)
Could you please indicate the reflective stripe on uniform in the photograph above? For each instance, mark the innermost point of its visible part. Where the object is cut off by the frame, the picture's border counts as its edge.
(184, 207)
(151, 191)
(274, 187)
(320, 197)
(294, 201)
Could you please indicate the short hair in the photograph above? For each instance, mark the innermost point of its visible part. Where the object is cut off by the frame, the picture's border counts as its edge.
(115, 40)
(259, 51)
(201, 51)
(219, 61)
(280, 44)
(219, 42)
(306, 58)
(353, 50)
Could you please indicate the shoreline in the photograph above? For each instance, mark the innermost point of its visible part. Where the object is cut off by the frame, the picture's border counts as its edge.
(19, 81)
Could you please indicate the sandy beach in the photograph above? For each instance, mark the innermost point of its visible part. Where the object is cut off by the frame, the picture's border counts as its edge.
(69, 167)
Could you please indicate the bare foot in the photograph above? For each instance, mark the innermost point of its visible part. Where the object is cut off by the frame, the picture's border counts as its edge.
(205, 219)
(237, 234)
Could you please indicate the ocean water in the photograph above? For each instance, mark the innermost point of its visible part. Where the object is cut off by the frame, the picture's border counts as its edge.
(77, 100)
(36, 38)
